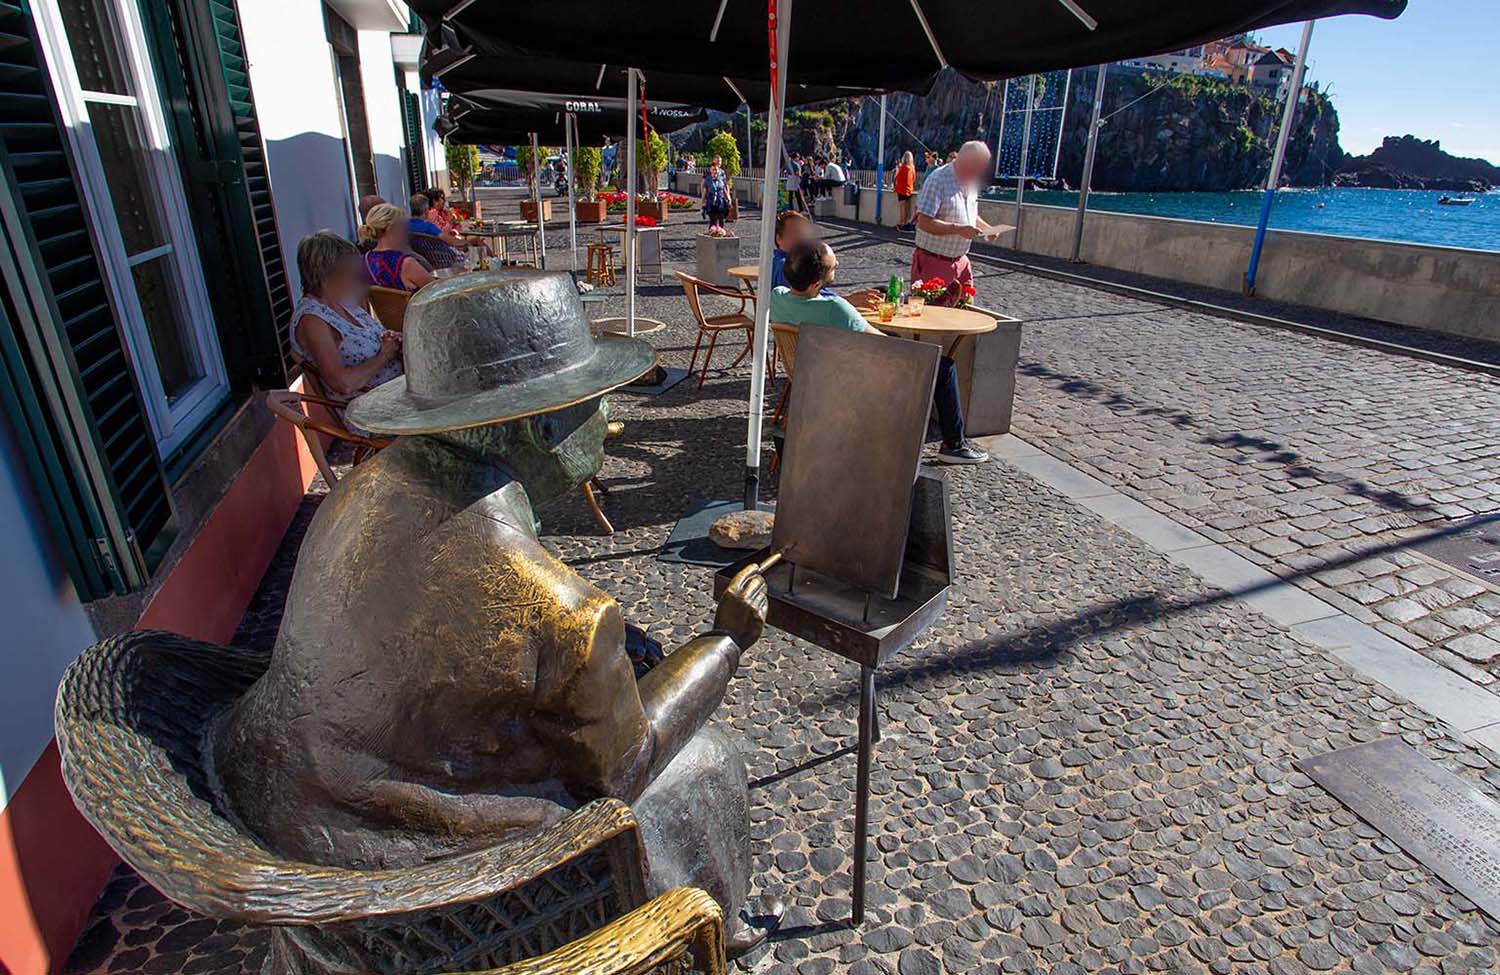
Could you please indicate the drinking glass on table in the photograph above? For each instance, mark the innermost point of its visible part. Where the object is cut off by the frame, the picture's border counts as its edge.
(886, 311)
(914, 305)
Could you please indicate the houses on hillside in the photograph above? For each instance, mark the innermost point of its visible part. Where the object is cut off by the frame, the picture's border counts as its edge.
(1237, 59)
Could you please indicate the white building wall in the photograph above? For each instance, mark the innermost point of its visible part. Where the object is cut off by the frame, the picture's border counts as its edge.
(297, 98)
(383, 111)
(437, 153)
(45, 628)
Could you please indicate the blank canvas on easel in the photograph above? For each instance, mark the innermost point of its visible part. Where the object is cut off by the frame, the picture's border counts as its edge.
(855, 427)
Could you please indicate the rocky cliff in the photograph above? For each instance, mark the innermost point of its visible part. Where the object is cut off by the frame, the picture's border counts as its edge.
(1171, 132)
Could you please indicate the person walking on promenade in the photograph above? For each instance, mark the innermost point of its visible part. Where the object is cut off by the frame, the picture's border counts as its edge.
(906, 188)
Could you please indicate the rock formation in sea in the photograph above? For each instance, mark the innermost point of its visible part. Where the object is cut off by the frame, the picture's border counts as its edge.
(1408, 163)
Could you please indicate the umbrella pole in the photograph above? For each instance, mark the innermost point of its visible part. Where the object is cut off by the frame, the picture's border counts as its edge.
(880, 163)
(536, 197)
(769, 197)
(568, 122)
(1279, 156)
(1088, 163)
(634, 97)
(749, 137)
(1025, 152)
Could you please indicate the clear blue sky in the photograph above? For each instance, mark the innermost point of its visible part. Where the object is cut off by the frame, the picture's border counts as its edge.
(1433, 72)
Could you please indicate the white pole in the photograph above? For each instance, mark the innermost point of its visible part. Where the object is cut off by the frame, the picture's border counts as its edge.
(634, 97)
(1025, 152)
(880, 162)
(768, 201)
(749, 137)
(536, 195)
(569, 120)
(1088, 162)
(1288, 115)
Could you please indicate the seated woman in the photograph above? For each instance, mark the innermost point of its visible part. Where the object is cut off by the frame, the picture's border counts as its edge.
(348, 348)
(390, 262)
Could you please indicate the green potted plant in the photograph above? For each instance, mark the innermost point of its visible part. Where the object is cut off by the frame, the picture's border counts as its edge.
(463, 164)
(651, 159)
(587, 161)
(527, 164)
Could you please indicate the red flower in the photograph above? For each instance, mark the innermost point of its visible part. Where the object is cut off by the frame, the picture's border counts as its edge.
(969, 291)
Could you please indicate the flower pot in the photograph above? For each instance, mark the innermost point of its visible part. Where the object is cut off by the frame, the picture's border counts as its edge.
(716, 255)
(589, 211)
(467, 209)
(528, 210)
(655, 209)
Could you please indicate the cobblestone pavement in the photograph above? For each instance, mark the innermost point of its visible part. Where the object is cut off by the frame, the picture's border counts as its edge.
(1086, 766)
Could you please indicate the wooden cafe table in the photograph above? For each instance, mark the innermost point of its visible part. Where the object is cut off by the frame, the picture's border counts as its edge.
(936, 324)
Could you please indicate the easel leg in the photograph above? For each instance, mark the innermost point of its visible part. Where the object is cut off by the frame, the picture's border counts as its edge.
(862, 787)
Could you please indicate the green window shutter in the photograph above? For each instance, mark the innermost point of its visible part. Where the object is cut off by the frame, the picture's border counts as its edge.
(201, 72)
(411, 122)
(80, 419)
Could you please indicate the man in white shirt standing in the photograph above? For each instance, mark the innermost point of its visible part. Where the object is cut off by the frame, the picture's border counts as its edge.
(948, 219)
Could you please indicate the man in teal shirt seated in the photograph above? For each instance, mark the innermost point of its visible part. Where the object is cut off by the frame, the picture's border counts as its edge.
(806, 298)
(809, 270)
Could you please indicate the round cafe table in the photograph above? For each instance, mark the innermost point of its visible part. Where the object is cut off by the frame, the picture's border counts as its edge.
(746, 272)
(937, 322)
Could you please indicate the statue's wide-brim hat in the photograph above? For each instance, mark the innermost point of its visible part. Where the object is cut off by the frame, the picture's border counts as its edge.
(502, 345)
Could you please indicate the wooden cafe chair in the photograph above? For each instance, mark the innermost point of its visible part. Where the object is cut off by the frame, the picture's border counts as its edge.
(712, 325)
(388, 305)
(785, 338)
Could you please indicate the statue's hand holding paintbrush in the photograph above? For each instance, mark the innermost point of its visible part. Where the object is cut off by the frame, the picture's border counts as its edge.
(742, 608)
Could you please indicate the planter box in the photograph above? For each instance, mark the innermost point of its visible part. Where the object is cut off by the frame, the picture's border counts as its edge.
(716, 255)
(987, 378)
(589, 211)
(655, 209)
(468, 209)
(528, 210)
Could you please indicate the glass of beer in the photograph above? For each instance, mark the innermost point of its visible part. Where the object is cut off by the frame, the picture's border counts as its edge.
(886, 311)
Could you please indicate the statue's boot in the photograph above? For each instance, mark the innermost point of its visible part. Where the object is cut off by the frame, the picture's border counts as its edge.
(695, 820)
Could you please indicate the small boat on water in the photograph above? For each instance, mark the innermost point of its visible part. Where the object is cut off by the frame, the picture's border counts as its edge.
(1455, 201)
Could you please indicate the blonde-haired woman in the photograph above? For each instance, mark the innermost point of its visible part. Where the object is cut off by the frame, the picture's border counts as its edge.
(390, 262)
(906, 187)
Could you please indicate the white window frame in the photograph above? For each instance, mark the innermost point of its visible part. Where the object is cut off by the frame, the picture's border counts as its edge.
(172, 423)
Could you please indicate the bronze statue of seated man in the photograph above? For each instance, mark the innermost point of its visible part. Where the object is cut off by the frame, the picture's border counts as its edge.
(440, 680)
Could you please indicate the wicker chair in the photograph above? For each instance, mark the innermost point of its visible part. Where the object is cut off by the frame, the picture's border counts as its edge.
(712, 325)
(132, 719)
(436, 251)
(683, 927)
(389, 306)
(785, 337)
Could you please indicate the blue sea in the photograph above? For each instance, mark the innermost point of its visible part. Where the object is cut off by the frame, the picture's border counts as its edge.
(1413, 216)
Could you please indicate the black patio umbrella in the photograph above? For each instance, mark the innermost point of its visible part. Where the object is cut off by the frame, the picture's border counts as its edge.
(507, 116)
(460, 71)
(877, 44)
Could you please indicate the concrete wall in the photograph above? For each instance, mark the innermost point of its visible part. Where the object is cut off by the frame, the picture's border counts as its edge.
(383, 112)
(1446, 289)
(296, 96)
